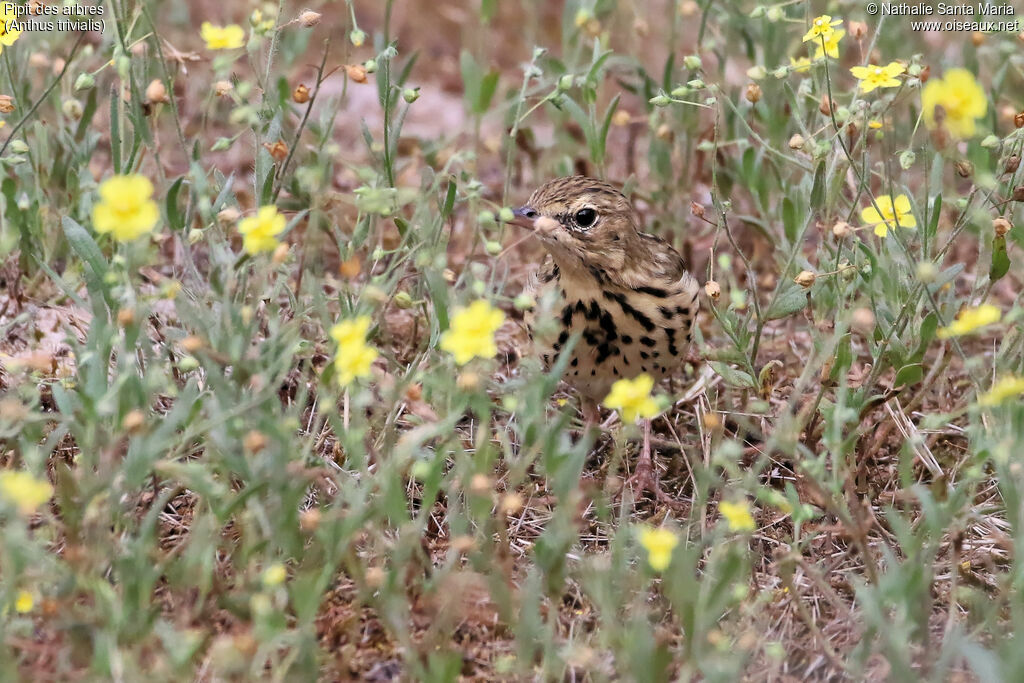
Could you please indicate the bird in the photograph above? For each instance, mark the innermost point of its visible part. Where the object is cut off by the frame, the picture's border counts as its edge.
(628, 295)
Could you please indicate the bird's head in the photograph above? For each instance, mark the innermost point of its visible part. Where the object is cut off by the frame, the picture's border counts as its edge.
(581, 221)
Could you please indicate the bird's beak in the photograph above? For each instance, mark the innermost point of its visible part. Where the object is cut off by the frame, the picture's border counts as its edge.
(522, 220)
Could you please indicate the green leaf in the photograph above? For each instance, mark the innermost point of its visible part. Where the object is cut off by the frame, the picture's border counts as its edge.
(174, 216)
(909, 374)
(818, 188)
(449, 199)
(85, 248)
(1000, 259)
(789, 220)
(733, 376)
(787, 303)
(933, 222)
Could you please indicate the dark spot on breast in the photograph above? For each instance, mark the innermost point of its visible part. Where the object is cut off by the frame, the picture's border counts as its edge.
(550, 275)
(643, 368)
(596, 272)
(666, 311)
(647, 341)
(580, 307)
(547, 358)
(603, 351)
(574, 362)
(653, 291)
(567, 316)
(590, 336)
(625, 360)
(683, 310)
(563, 337)
(607, 324)
(593, 371)
(593, 311)
(626, 339)
(657, 353)
(632, 312)
(615, 371)
(645, 355)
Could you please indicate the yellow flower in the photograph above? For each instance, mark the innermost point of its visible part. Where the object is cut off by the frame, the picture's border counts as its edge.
(893, 212)
(24, 490)
(659, 544)
(24, 602)
(823, 26)
(1007, 387)
(632, 398)
(471, 333)
(873, 76)
(274, 575)
(126, 208)
(831, 45)
(222, 37)
(260, 232)
(7, 37)
(800, 65)
(971, 319)
(737, 515)
(954, 103)
(875, 124)
(354, 357)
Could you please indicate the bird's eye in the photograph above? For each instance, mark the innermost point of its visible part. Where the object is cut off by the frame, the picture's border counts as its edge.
(585, 217)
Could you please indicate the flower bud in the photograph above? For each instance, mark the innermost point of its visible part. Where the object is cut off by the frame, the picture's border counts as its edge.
(697, 210)
(660, 100)
(858, 29)
(1018, 194)
(72, 109)
(301, 94)
(1001, 226)
(18, 146)
(713, 290)
(403, 300)
(964, 168)
(696, 84)
(357, 37)
(756, 73)
(775, 14)
(280, 254)
(927, 272)
(1012, 164)
(565, 82)
(692, 62)
(6, 104)
(410, 95)
(679, 92)
(370, 65)
(85, 81)
(990, 142)
(221, 88)
(907, 159)
(753, 93)
(195, 235)
(758, 12)
(309, 18)
(133, 421)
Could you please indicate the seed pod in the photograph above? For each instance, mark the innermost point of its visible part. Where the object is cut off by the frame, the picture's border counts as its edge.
(1012, 163)
(841, 229)
(254, 441)
(863, 320)
(221, 88)
(278, 150)
(6, 104)
(1018, 120)
(156, 92)
(301, 94)
(133, 421)
(827, 105)
(805, 279)
(309, 18)
(1001, 226)
(713, 290)
(797, 141)
(356, 72)
(858, 29)
(964, 168)
(1018, 194)
(753, 93)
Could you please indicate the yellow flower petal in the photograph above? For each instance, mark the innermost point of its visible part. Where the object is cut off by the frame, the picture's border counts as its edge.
(971, 319)
(1007, 387)
(659, 544)
(737, 515)
(632, 398)
(471, 333)
(126, 209)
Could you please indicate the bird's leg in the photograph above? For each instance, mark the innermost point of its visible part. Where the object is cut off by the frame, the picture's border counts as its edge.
(645, 476)
(591, 414)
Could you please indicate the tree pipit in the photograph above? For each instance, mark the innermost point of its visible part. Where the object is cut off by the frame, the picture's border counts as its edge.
(626, 293)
